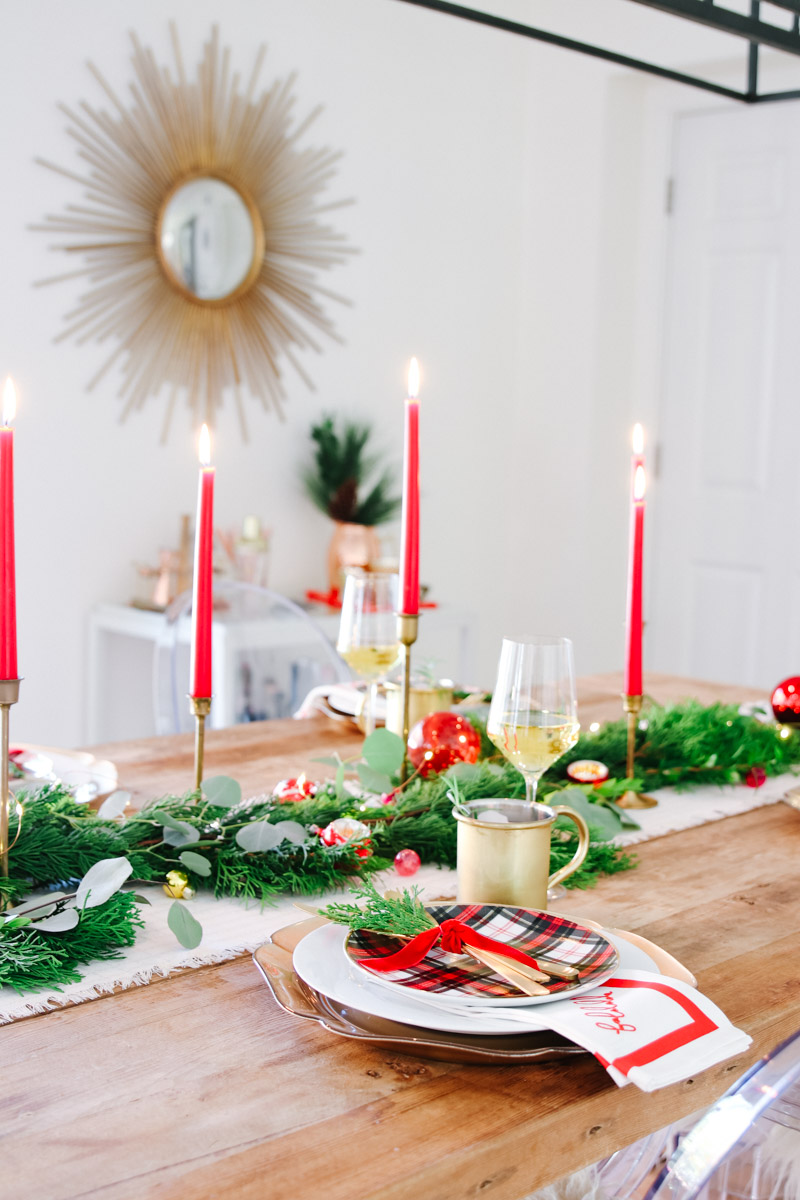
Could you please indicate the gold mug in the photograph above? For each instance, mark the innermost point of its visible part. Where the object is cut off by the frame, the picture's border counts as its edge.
(504, 858)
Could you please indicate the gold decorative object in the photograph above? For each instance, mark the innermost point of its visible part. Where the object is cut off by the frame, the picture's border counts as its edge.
(407, 630)
(422, 700)
(198, 233)
(201, 707)
(9, 694)
(631, 799)
(504, 851)
(177, 886)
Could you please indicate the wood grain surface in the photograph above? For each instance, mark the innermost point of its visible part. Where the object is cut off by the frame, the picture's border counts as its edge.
(199, 1086)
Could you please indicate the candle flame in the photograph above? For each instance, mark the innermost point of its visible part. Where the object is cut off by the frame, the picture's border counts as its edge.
(639, 484)
(205, 447)
(9, 401)
(638, 439)
(413, 379)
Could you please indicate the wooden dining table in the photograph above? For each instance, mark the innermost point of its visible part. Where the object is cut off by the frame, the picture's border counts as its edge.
(199, 1085)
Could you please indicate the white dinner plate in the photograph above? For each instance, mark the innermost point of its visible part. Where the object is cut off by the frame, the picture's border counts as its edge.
(87, 777)
(320, 961)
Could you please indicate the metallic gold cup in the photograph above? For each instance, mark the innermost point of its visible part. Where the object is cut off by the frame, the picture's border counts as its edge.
(508, 861)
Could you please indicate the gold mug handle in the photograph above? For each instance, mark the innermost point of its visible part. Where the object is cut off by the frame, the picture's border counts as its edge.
(583, 845)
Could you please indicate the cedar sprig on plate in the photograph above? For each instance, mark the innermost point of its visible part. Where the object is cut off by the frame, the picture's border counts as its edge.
(401, 914)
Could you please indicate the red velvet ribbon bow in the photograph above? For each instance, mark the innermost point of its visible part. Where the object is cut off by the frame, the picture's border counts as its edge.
(455, 935)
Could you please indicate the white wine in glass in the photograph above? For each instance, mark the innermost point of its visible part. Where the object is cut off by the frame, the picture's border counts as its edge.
(368, 630)
(533, 718)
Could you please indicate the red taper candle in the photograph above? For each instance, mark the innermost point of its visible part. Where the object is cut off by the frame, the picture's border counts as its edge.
(633, 661)
(409, 530)
(202, 591)
(8, 586)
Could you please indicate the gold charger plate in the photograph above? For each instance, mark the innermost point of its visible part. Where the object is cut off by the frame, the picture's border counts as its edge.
(274, 961)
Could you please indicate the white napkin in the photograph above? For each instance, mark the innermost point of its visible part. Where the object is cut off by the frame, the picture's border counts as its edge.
(647, 1029)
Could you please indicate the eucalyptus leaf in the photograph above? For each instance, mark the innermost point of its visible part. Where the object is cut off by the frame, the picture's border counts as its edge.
(259, 836)
(187, 929)
(329, 760)
(60, 922)
(140, 899)
(372, 780)
(384, 751)
(292, 831)
(180, 834)
(464, 771)
(102, 880)
(222, 791)
(196, 862)
(604, 824)
(38, 904)
(114, 805)
(166, 819)
(625, 817)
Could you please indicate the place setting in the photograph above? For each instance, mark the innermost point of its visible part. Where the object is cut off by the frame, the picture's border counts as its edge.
(458, 979)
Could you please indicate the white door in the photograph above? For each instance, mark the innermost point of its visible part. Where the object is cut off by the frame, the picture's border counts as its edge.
(725, 585)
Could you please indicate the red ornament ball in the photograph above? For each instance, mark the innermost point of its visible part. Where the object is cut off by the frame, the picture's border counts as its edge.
(756, 777)
(292, 791)
(406, 862)
(442, 739)
(588, 770)
(786, 701)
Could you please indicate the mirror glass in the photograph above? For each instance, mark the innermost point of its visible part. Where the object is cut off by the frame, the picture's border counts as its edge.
(207, 238)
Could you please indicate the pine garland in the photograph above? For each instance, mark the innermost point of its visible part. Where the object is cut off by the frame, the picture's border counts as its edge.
(206, 839)
(31, 960)
(689, 745)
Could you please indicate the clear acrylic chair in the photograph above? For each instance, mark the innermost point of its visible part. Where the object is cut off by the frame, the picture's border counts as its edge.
(268, 654)
(745, 1147)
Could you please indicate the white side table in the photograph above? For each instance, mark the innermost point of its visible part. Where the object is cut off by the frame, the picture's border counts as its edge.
(121, 701)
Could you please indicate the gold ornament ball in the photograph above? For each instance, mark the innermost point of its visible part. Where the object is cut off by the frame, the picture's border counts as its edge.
(177, 886)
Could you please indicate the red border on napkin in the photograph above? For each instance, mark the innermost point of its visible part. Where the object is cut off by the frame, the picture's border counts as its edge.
(699, 1025)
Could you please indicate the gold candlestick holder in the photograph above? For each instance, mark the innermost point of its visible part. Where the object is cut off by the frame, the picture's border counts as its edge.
(201, 707)
(9, 694)
(631, 799)
(407, 630)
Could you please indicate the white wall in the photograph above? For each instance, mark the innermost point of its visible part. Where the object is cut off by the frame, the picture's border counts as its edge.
(497, 185)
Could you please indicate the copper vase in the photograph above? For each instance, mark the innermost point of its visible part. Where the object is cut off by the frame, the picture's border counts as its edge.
(351, 546)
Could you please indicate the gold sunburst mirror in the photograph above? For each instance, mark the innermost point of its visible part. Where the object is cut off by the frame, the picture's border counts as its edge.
(199, 233)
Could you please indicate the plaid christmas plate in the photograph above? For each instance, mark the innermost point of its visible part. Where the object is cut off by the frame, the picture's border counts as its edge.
(460, 978)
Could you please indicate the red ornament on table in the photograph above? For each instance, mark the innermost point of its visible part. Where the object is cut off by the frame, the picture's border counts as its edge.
(291, 791)
(786, 701)
(202, 594)
(588, 770)
(442, 739)
(8, 587)
(407, 862)
(346, 830)
(756, 777)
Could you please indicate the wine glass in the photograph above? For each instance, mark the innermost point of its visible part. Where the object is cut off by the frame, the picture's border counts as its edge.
(368, 630)
(533, 718)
